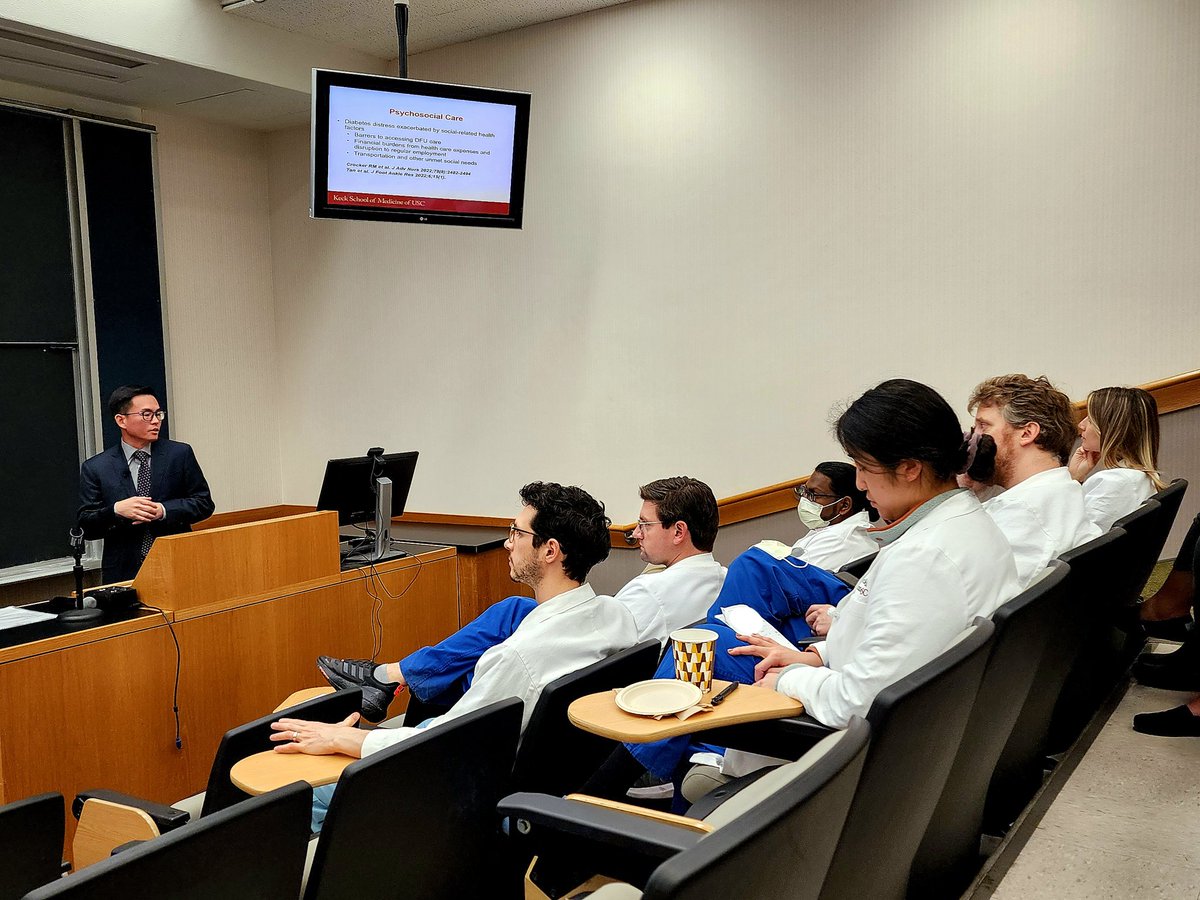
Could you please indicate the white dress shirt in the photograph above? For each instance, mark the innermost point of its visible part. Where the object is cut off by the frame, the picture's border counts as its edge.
(1109, 494)
(665, 599)
(1043, 517)
(833, 546)
(922, 590)
(562, 635)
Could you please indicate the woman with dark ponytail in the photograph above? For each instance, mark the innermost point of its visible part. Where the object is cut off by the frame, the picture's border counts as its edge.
(942, 560)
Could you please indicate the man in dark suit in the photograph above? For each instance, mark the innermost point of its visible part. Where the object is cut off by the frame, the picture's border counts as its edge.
(140, 489)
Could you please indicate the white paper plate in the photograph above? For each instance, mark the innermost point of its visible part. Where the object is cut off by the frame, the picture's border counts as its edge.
(658, 697)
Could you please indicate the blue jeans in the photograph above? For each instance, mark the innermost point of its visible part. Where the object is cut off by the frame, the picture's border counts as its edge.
(781, 590)
(447, 667)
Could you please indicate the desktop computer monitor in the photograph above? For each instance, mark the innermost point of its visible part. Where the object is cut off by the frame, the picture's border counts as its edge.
(369, 488)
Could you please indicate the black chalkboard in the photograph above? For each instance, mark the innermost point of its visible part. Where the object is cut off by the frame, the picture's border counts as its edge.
(37, 293)
(39, 369)
(39, 444)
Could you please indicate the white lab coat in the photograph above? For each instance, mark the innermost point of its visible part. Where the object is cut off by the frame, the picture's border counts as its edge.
(562, 635)
(1043, 517)
(922, 590)
(1109, 494)
(665, 599)
(833, 546)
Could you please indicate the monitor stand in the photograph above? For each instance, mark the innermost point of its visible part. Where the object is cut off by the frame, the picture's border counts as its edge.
(381, 541)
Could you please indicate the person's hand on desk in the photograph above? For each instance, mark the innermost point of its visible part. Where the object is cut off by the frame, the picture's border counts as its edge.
(318, 738)
(138, 509)
(770, 680)
(773, 655)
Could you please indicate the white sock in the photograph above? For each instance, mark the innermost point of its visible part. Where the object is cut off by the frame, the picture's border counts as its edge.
(380, 674)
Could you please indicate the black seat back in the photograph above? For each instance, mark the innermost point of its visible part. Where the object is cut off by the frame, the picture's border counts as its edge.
(916, 726)
(1148, 527)
(782, 847)
(253, 849)
(555, 757)
(1018, 772)
(948, 857)
(255, 737)
(31, 843)
(858, 567)
(418, 820)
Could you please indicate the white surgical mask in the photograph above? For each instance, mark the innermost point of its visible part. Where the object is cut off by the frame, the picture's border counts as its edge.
(810, 511)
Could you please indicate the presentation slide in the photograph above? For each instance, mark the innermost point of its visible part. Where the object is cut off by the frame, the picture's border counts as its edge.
(407, 151)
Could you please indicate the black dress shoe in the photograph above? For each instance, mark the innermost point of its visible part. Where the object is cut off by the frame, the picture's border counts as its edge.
(1175, 629)
(1174, 675)
(348, 673)
(1177, 722)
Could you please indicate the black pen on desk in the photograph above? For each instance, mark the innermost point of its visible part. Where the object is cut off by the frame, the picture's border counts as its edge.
(720, 698)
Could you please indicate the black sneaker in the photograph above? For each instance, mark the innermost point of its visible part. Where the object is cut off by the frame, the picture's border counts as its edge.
(351, 673)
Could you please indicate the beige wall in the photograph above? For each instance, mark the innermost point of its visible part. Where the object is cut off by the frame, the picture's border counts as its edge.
(737, 217)
(740, 215)
(220, 307)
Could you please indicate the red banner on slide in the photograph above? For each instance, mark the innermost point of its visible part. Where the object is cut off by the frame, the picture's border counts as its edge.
(432, 204)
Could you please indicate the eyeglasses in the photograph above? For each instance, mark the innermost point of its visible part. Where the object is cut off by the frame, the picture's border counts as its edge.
(641, 526)
(148, 414)
(803, 493)
(514, 532)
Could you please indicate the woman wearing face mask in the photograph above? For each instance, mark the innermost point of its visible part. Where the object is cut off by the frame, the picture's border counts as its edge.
(1117, 459)
(943, 560)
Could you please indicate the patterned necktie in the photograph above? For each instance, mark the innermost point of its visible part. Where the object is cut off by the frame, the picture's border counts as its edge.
(143, 489)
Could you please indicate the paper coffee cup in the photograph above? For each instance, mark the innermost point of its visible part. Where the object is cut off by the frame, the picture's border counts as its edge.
(695, 650)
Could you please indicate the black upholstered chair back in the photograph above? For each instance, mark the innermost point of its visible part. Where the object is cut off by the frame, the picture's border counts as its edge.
(858, 567)
(555, 757)
(418, 820)
(948, 857)
(1018, 772)
(255, 737)
(31, 844)
(1148, 527)
(253, 849)
(916, 726)
(782, 847)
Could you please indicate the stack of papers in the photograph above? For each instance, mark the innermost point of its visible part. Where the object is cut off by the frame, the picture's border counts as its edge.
(16, 616)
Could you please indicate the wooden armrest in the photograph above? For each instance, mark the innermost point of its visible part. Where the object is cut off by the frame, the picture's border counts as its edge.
(656, 815)
(104, 826)
(301, 696)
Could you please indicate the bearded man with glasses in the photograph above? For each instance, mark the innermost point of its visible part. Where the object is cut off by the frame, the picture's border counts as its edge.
(676, 528)
(142, 488)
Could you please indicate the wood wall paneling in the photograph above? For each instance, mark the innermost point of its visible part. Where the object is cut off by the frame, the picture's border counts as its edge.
(483, 580)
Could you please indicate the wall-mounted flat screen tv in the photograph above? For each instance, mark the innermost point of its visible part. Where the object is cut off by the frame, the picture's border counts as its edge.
(396, 149)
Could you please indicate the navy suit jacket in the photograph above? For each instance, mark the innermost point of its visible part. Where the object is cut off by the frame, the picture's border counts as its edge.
(175, 481)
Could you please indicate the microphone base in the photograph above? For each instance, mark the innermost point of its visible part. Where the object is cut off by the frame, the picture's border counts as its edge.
(80, 616)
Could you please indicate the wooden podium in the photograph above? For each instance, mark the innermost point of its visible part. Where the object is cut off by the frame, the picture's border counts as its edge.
(251, 606)
(200, 568)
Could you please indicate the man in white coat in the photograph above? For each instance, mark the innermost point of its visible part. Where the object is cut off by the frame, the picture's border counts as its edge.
(676, 529)
(559, 534)
(1041, 509)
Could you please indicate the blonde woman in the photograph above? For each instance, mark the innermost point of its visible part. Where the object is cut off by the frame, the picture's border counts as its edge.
(1117, 459)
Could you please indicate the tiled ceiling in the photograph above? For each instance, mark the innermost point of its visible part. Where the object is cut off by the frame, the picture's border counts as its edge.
(369, 26)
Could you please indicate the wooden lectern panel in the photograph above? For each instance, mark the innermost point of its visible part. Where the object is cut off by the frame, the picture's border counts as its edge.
(201, 568)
